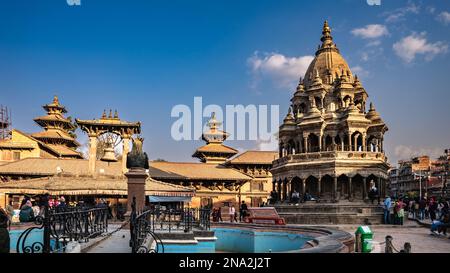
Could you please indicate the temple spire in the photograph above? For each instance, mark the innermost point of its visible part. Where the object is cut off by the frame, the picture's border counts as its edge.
(327, 39)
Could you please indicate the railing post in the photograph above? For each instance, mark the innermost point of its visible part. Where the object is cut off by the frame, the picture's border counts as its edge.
(46, 248)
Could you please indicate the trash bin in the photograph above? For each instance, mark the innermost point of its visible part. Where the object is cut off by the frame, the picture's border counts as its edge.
(365, 235)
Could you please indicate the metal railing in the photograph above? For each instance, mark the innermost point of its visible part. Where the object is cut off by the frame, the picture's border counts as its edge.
(143, 226)
(61, 227)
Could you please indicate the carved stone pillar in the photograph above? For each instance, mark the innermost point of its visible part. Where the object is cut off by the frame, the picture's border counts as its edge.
(320, 142)
(303, 187)
(365, 197)
(305, 143)
(319, 188)
(335, 181)
(350, 189)
(126, 150)
(136, 187)
(364, 148)
(92, 153)
(350, 141)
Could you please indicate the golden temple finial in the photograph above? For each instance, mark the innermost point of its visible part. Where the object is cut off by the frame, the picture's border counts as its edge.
(55, 100)
(213, 123)
(116, 115)
(110, 113)
(326, 39)
(372, 108)
(104, 113)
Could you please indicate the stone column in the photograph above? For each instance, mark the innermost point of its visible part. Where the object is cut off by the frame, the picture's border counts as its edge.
(284, 190)
(305, 142)
(342, 142)
(136, 187)
(335, 181)
(126, 150)
(320, 142)
(350, 189)
(303, 187)
(350, 141)
(364, 148)
(365, 188)
(319, 187)
(92, 153)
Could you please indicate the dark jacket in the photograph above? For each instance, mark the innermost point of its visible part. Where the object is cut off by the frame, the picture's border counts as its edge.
(26, 214)
(4, 233)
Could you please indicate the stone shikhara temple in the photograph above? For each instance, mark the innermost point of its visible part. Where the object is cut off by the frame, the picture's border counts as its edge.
(329, 144)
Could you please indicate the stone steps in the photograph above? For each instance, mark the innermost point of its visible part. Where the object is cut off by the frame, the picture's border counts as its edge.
(331, 213)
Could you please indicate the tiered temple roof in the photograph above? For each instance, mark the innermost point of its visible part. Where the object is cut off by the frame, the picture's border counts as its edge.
(56, 135)
(214, 151)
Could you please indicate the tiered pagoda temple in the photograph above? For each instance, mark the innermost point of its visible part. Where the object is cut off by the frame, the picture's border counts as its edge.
(56, 141)
(221, 177)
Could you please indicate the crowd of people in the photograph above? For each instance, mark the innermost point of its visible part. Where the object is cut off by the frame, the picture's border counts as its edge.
(232, 213)
(435, 210)
(29, 208)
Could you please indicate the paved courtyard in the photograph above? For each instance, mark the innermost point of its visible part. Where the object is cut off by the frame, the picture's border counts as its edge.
(420, 238)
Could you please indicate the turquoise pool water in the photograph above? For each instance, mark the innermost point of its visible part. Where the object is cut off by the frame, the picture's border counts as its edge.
(251, 241)
(34, 236)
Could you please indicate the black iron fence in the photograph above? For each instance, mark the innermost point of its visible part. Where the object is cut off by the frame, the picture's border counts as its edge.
(59, 227)
(145, 225)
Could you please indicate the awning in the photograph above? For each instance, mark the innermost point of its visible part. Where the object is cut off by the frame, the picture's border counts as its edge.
(161, 199)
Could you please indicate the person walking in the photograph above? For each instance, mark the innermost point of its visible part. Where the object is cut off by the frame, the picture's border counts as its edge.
(243, 211)
(10, 210)
(422, 206)
(4, 233)
(232, 212)
(433, 209)
(387, 210)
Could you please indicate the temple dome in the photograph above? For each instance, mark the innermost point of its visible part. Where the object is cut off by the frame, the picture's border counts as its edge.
(328, 61)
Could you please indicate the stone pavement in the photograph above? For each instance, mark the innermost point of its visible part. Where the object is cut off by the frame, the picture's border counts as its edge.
(420, 238)
(116, 243)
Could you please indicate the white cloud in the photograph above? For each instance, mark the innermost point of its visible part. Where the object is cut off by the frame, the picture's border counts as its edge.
(444, 17)
(284, 71)
(414, 44)
(406, 152)
(360, 71)
(370, 31)
(400, 13)
(271, 145)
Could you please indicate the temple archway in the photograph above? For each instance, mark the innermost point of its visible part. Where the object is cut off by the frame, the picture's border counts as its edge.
(311, 186)
(327, 187)
(296, 184)
(357, 185)
(313, 141)
(342, 187)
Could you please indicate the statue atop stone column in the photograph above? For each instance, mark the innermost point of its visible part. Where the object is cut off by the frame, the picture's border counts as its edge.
(137, 158)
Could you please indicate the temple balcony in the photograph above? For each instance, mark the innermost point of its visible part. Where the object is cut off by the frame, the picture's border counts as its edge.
(326, 155)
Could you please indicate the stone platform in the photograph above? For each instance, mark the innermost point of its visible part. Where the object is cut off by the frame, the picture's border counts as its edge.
(343, 212)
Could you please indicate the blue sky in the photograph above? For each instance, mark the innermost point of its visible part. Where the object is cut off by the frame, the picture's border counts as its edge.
(144, 57)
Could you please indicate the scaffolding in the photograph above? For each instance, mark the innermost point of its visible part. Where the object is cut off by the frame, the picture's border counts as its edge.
(5, 122)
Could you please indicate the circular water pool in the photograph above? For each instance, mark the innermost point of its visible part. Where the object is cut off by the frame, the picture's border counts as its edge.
(244, 238)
